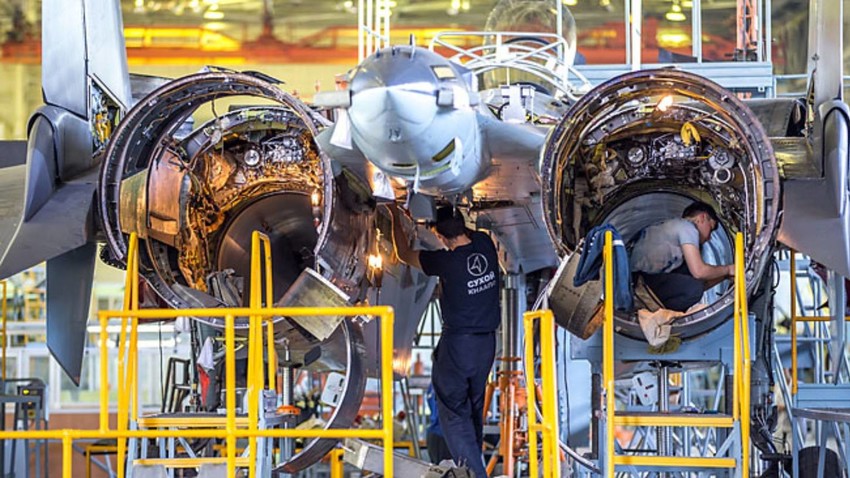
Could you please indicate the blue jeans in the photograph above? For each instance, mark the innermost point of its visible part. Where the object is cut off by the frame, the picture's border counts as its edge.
(591, 261)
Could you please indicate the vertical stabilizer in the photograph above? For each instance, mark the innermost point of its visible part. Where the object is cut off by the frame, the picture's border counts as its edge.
(83, 41)
(49, 217)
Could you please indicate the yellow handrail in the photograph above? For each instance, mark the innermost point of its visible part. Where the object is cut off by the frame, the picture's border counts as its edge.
(336, 463)
(231, 433)
(5, 341)
(255, 333)
(741, 354)
(257, 316)
(799, 318)
(742, 321)
(127, 375)
(549, 425)
(608, 353)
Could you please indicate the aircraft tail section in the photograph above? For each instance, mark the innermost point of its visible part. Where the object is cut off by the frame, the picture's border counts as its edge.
(47, 214)
(68, 306)
(83, 55)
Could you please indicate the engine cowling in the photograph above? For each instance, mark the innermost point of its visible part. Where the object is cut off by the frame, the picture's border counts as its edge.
(637, 150)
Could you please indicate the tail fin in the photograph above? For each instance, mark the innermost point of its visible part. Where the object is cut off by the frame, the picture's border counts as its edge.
(86, 88)
(69, 286)
(82, 52)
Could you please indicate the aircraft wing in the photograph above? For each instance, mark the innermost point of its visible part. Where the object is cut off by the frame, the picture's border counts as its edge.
(12, 174)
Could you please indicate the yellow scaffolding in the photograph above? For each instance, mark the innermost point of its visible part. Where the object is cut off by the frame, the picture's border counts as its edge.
(740, 387)
(549, 423)
(4, 310)
(127, 387)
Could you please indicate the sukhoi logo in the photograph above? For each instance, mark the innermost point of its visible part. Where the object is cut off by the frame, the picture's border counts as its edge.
(476, 264)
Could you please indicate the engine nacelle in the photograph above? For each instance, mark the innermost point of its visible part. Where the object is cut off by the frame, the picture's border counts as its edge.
(195, 196)
(637, 150)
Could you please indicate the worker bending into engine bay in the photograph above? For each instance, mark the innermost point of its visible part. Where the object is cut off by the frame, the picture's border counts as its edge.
(667, 254)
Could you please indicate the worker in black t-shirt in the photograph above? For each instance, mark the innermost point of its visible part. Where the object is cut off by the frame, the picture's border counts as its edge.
(469, 277)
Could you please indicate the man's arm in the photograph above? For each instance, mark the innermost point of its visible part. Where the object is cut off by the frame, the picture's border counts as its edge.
(701, 270)
(401, 242)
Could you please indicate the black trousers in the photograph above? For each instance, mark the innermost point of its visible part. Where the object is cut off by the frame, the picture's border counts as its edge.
(462, 363)
(438, 450)
(678, 290)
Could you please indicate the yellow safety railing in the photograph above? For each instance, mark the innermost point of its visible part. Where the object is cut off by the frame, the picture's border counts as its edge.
(741, 366)
(3, 306)
(799, 318)
(336, 464)
(608, 351)
(742, 351)
(549, 425)
(255, 334)
(127, 387)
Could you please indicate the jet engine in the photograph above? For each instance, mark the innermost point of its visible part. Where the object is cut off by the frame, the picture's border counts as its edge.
(194, 196)
(637, 150)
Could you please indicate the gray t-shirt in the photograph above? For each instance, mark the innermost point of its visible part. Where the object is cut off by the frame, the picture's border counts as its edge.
(659, 247)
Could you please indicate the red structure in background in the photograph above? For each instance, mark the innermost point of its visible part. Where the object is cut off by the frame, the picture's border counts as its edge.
(198, 45)
(606, 44)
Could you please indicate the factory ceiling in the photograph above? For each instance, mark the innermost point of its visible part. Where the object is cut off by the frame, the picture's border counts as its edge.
(331, 23)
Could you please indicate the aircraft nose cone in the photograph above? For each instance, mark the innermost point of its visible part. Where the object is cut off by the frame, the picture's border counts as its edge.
(391, 113)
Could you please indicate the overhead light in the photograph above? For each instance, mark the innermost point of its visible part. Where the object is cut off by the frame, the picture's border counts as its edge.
(570, 3)
(664, 103)
(213, 13)
(675, 14)
(687, 3)
(214, 26)
(454, 7)
(375, 261)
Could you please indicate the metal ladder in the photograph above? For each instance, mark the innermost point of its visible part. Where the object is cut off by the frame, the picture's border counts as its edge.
(736, 446)
(824, 401)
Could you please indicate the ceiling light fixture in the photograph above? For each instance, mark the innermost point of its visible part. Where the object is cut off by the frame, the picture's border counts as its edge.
(213, 13)
(570, 3)
(675, 14)
(454, 7)
(664, 103)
